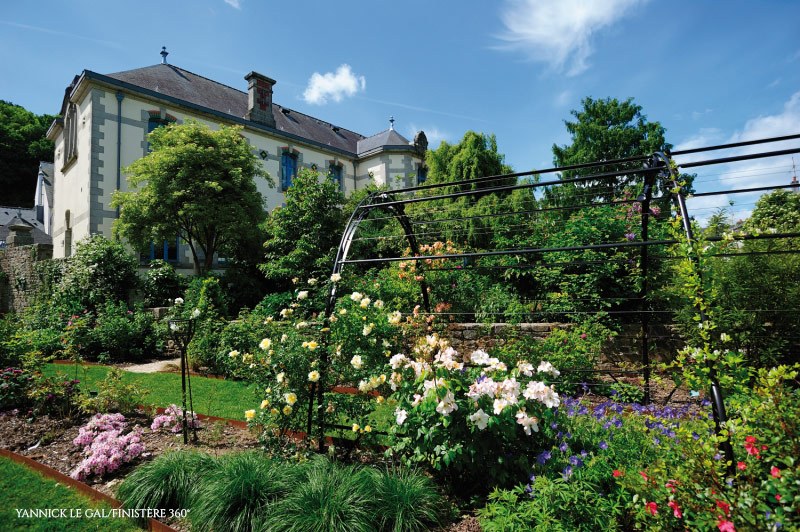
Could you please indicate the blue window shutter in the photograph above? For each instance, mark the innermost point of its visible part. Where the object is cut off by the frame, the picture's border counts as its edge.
(288, 169)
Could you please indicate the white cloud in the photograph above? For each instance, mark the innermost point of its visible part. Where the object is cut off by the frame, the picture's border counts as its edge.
(236, 4)
(563, 98)
(333, 85)
(739, 175)
(559, 32)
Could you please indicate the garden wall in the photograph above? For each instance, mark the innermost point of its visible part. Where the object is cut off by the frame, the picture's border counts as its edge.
(467, 337)
(625, 347)
(18, 279)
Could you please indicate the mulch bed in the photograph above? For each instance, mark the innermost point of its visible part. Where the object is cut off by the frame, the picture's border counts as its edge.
(49, 442)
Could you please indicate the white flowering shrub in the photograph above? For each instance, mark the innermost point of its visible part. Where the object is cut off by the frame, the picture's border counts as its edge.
(473, 418)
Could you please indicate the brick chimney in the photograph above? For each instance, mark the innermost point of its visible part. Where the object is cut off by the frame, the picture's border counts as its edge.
(259, 99)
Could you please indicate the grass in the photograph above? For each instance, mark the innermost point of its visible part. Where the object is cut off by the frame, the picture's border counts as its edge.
(249, 491)
(22, 488)
(213, 397)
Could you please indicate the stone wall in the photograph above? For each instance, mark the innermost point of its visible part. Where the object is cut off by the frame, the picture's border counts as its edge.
(18, 280)
(467, 337)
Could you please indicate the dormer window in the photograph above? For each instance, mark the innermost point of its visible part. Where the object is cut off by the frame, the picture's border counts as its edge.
(71, 134)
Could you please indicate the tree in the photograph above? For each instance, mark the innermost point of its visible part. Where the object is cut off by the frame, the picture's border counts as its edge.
(474, 157)
(22, 145)
(198, 184)
(605, 130)
(303, 236)
(778, 211)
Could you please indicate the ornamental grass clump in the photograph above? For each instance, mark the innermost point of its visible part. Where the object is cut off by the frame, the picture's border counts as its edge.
(238, 494)
(404, 499)
(325, 498)
(168, 482)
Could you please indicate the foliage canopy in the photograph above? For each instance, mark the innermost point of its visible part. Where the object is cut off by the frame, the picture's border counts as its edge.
(22, 145)
(198, 184)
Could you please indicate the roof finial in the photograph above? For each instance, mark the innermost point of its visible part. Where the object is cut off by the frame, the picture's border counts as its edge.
(164, 54)
(391, 123)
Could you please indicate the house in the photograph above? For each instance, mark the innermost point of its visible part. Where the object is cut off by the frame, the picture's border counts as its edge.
(26, 218)
(35, 221)
(43, 201)
(105, 119)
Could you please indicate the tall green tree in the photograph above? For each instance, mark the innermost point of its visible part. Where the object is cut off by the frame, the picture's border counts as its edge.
(609, 129)
(22, 145)
(303, 235)
(198, 184)
(475, 156)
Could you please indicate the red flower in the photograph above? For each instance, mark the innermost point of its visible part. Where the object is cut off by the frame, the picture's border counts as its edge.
(617, 473)
(750, 439)
(778, 497)
(742, 466)
(775, 472)
(644, 475)
(724, 506)
(652, 508)
(676, 511)
(724, 525)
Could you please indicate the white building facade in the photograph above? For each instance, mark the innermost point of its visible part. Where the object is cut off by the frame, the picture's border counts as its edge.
(106, 120)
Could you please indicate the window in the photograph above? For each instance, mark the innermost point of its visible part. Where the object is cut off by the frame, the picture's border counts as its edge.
(288, 169)
(156, 121)
(71, 134)
(335, 173)
(422, 174)
(166, 250)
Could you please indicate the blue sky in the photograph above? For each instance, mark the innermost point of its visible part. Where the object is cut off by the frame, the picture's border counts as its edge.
(709, 71)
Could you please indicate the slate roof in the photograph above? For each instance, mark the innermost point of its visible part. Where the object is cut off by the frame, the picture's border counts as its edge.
(46, 169)
(176, 82)
(390, 137)
(9, 215)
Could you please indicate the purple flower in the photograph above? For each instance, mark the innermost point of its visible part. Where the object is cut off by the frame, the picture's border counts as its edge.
(567, 472)
(603, 445)
(630, 236)
(563, 447)
(543, 457)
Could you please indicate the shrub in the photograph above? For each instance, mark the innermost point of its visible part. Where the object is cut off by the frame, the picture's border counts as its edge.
(14, 386)
(168, 482)
(161, 284)
(689, 485)
(106, 447)
(54, 396)
(121, 334)
(472, 419)
(100, 270)
(172, 419)
(112, 395)
(238, 492)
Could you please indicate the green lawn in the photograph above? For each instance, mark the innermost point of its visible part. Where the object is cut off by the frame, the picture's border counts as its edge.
(24, 489)
(213, 397)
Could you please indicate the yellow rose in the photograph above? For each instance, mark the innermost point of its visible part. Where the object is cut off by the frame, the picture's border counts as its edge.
(249, 414)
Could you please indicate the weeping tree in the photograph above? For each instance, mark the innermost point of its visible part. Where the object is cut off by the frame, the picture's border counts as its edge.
(197, 184)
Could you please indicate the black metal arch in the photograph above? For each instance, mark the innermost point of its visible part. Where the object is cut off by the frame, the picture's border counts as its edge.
(650, 168)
